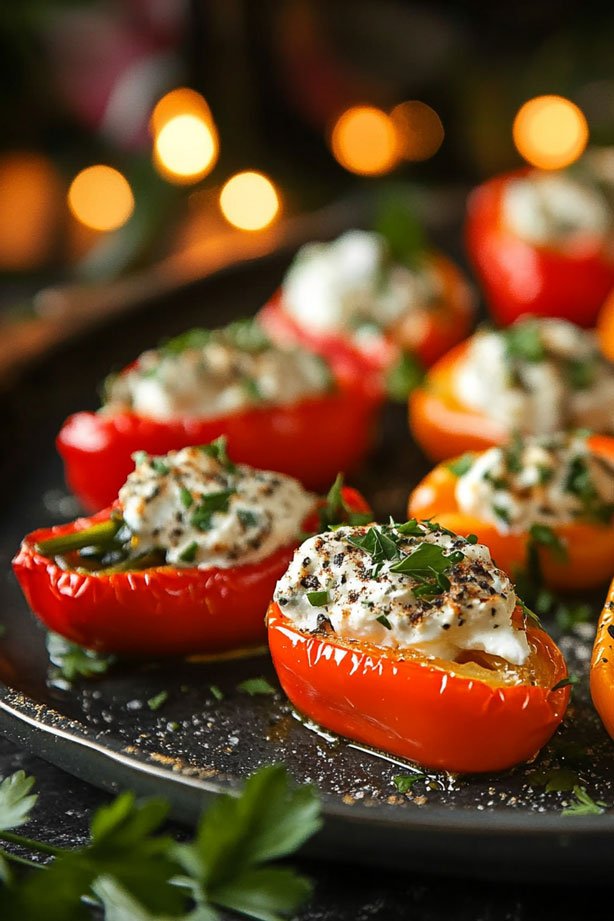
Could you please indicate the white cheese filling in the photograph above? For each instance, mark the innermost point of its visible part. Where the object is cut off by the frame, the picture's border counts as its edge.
(385, 608)
(539, 376)
(207, 512)
(555, 208)
(350, 284)
(550, 481)
(215, 377)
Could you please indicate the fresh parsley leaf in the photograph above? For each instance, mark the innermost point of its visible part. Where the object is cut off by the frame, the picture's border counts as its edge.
(404, 782)
(383, 620)
(512, 453)
(335, 510)
(218, 450)
(428, 558)
(404, 376)
(217, 693)
(196, 338)
(461, 465)
(16, 801)
(188, 554)
(584, 804)
(140, 457)
(581, 372)
(186, 497)
(158, 700)
(502, 513)
(251, 388)
(159, 466)
(71, 661)
(555, 780)
(255, 687)
(247, 518)
(318, 599)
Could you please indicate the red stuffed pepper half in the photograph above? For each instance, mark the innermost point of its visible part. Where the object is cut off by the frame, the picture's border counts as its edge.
(536, 377)
(370, 310)
(407, 638)
(542, 242)
(277, 408)
(184, 562)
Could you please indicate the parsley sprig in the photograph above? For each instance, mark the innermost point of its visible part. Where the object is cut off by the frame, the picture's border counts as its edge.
(336, 510)
(132, 870)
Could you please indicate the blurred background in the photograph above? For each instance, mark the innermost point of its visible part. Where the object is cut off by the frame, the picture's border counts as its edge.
(151, 140)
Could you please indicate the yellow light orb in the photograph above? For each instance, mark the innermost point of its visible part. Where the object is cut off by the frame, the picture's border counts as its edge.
(180, 101)
(364, 141)
(249, 201)
(420, 131)
(101, 198)
(186, 148)
(550, 132)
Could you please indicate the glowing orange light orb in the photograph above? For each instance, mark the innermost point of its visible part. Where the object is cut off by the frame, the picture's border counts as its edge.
(180, 101)
(186, 148)
(31, 197)
(550, 132)
(364, 141)
(250, 201)
(101, 198)
(420, 131)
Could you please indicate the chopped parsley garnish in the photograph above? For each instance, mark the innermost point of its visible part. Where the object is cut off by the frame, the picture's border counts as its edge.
(209, 504)
(579, 482)
(188, 554)
(512, 454)
(502, 513)
(397, 223)
(140, 457)
(555, 780)
(251, 388)
(218, 450)
(383, 620)
(584, 804)
(158, 700)
(159, 466)
(187, 500)
(71, 661)
(216, 691)
(256, 687)
(318, 599)
(461, 465)
(196, 338)
(336, 511)
(404, 782)
(523, 342)
(247, 518)
(580, 373)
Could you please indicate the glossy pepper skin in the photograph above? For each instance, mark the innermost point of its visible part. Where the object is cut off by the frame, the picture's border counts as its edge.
(605, 327)
(311, 440)
(426, 333)
(520, 277)
(589, 558)
(602, 665)
(161, 611)
(442, 425)
(428, 713)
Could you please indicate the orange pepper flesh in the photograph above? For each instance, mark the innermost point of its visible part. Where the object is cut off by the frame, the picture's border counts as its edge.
(602, 665)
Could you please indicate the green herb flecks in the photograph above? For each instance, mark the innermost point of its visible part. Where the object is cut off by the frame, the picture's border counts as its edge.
(397, 223)
(256, 687)
(318, 599)
(157, 701)
(218, 450)
(196, 338)
(580, 483)
(584, 804)
(336, 510)
(209, 504)
(581, 373)
(188, 554)
(461, 465)
(159, 466)
(523, 342)
(185, 497)
(71, 661)
(216, 691)
(544, 536)
(383, 620)
(247, 518)
(132, 870)
(404, 782)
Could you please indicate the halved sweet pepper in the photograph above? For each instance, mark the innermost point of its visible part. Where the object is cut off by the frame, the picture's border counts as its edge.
(443, 715)
(582, 558)
(160, 610)
(602, 665)
(520, 277)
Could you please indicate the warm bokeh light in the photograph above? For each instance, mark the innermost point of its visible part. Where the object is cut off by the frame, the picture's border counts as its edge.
(419, 130)
(249, 201)
(101, 198)
(550, 132)
(186, 148)
(31, 197)
(364, 141)
(181, 101)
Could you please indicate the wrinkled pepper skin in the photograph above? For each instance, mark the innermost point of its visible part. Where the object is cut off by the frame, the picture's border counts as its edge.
(602, 665)
(311, 440)
(414, 709)
(520, 277)
(161, 611)
(589, 559)
(427, 333)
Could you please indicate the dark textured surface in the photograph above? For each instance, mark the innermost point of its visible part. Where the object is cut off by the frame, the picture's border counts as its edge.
(505, 825)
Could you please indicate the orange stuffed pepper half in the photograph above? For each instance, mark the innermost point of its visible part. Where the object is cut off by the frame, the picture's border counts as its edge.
(551, 494)
(537, 377)
(407, 638)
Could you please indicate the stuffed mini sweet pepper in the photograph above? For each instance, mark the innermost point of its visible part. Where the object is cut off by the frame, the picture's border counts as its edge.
(537, 377)
(279, 409)
(407, 638)
(550, 495)
(184, 562)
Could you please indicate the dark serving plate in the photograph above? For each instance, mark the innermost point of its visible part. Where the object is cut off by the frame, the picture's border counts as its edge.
(195, 745)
